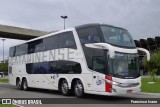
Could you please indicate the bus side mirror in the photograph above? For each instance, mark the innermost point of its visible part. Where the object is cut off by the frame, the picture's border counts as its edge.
(102, 46)
(146, 51)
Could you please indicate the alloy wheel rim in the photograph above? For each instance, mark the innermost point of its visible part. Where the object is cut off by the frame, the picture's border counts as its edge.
(78, 89)
(25, 85)
(19, 84)
(64, 87)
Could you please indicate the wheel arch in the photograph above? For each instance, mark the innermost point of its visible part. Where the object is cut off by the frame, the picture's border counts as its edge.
(74, 80)
(26, 79)
(18, 79)
(60, 81)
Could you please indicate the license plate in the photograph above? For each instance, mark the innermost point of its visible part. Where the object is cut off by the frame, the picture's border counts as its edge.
(129, 91)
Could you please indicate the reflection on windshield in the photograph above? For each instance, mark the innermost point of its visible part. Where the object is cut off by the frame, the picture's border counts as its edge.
(125, 65)
(117, 36)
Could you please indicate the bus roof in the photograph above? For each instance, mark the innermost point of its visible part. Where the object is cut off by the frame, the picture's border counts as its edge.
(97, 24)
(69, 29)
(47, 35)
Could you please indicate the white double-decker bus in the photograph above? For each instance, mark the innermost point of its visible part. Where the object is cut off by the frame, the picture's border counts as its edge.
(93, 58)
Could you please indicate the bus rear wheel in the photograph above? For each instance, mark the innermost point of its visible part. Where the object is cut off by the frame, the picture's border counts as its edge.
(18, 84)
(25, 84)
(64, 88)
(78, 89)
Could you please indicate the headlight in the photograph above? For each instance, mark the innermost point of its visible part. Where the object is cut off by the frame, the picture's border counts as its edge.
(124, 85)
(115, 83)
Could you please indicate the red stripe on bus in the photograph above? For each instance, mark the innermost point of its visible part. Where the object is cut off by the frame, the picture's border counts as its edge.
(108, 85)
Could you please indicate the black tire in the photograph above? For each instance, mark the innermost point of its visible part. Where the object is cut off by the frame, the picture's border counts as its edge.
(25, 85)
(18, 84)
(64, 88)
(78, 89)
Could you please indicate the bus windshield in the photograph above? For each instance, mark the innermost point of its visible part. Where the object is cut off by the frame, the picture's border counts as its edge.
(124, 65)
(117, 36)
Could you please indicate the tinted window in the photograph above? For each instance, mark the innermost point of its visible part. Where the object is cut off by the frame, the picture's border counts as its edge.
(68, 67)
(38, 68)
(88, 35)
(95, 57)
(12, 51)
(66, 40)
(98, 64)
(21, 49)
(89, 54)
(36, 46)
(29, 68)
(40, 47)
(16, 53)
(51, 42)
(117, 36)
(54, 67)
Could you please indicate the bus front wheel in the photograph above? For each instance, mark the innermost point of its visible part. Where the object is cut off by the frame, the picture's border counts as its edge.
(78, 89)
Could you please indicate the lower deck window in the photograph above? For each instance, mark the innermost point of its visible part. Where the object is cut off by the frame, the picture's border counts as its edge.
(54, 67)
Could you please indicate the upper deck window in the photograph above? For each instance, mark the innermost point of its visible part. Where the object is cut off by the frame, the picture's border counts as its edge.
(88, 35)
(12, 51)
(117, 36)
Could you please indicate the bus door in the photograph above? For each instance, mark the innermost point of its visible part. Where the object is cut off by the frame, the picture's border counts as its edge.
(98, 74)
